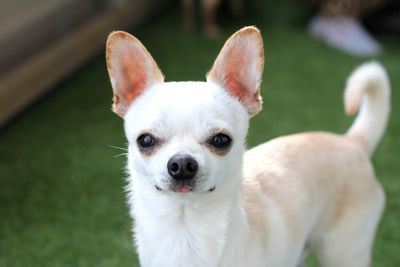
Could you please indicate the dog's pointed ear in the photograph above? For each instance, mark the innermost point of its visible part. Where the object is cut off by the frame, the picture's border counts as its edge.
(131, 69)
(239, 66)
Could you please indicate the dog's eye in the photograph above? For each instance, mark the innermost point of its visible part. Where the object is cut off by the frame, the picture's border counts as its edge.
(220, 140)
(146, 142)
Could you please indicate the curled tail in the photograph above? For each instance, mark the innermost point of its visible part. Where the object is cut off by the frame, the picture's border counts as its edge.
(368, 93)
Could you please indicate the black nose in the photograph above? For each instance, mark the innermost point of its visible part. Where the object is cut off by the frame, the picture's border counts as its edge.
(182, 167)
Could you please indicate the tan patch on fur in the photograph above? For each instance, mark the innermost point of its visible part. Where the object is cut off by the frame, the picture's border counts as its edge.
(320, 172)
(359, 139)
(285, 203)
(218, 151)
(150, 152)
(342, 204)
(253, 202)
(258, 190)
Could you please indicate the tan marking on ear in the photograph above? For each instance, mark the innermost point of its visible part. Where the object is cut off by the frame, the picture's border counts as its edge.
(131, 69)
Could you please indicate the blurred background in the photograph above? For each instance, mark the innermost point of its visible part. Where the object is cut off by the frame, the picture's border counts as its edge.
(61, 148)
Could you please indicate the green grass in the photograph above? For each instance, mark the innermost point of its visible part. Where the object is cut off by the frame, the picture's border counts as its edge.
(61, 193)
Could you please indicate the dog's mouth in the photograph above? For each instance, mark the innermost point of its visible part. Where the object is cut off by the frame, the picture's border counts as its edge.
(183, 188)
(187, 189)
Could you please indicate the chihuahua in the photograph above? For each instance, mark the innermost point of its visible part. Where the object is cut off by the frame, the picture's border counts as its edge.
(199, 199)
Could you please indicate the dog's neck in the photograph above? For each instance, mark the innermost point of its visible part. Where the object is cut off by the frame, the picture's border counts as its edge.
(186, 230)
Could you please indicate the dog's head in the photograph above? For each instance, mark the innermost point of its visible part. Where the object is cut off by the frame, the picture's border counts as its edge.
(186, 136)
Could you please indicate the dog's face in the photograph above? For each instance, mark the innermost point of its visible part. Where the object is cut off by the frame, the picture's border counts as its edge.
(186, 136)
(183, 136)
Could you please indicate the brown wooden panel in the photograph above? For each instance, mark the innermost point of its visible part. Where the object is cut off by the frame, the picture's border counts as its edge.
(53, 63)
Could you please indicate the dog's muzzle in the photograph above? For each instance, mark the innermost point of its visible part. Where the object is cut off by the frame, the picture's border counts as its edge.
(182, 167)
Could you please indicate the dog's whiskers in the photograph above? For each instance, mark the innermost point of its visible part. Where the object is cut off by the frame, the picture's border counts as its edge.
(125, 153)
(120, 155)
(117, 147)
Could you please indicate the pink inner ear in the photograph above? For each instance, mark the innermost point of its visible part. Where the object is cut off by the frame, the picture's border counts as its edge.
(131, 75)
(134, 77)
(131, 69)
(235, 86)
(237, 69)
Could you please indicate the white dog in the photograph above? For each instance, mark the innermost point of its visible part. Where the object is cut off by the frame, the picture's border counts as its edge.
(198, 199)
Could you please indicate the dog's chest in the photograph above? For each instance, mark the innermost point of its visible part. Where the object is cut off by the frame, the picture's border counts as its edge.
(179, 235)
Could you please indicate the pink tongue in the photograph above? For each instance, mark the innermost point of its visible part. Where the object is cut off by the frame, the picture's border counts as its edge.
(183, 189)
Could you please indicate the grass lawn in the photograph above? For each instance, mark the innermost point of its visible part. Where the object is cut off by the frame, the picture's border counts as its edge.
(61, 194)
